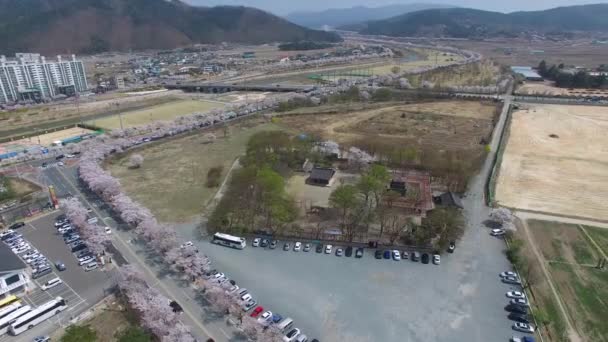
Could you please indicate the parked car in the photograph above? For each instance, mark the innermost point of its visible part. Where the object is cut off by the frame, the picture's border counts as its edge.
(508, 274)
(248, 305)
(264, 243)
(328, 249)
(307, 247)
(286, 246)
(276, 318)
(339, 252)
(42, 339)
(387, 254)
(265, 317)
(498, 232)
(452, 247)
(523, 327)
(404, 255)
(85, 260)
(415, 256)
(291, 335)
(302, 338)
(425, 258)
(60, 266)
(16, 225)
(39, 272)
(511, 280)
(519, 318)
(297, 247)
(396, 255)
(90, 266)
(516, 295)
(5, 235)
(378, 254)
(349, 251)
(273, 244)
(436, 259)
(522, 339)
(359, 253)
(319, 248)
(107, 230)
(51, 283)
(520, 301)
(176, 307)
(257, 311)
(256, 242)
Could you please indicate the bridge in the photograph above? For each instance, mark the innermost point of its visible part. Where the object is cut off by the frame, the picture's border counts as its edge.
(219, 88)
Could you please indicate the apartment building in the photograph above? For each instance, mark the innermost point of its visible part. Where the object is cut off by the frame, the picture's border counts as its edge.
(30, 76)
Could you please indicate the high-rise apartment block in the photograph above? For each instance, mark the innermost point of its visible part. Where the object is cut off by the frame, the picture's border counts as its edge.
(30, 76)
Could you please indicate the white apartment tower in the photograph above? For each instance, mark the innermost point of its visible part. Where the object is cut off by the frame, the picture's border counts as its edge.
(31, 76)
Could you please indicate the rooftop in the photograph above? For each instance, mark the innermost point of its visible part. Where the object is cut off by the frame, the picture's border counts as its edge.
(322, 173)
(526, 71)
(8, 260)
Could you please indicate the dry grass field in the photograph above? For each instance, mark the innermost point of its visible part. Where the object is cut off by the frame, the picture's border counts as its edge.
(546, 88)
(556, 161)
(452, 125)
(570, 259)
(181, 165)
(165, 111)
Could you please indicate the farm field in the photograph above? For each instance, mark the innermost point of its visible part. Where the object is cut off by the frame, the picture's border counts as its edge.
(556, 162)
(570, 259)
(165, 111)
(546, 88)
(181, 164)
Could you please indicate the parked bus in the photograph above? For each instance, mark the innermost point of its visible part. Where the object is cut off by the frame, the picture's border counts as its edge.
(9, 308)
(8, 300)
(37, 316)
(229, 240)
(8, 319)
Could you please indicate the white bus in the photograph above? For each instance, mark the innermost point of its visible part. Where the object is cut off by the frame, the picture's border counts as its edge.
(8, 319)
(9, 308)
(37, 316)
(229, 240)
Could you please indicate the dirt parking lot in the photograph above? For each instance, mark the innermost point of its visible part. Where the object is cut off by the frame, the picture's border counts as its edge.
(556, 161)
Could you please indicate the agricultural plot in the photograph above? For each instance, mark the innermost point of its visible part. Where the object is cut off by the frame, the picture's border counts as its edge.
(571, 258)
(165, 111)
(181, 165)
(556, 161)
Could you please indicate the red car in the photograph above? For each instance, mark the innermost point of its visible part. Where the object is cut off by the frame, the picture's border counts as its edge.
(257, 311)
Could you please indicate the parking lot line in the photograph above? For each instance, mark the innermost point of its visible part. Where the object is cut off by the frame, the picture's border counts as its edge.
(31, 226)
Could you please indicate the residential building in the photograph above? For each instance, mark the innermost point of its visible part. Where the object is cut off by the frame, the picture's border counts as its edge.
(30, 76)
(13, 276)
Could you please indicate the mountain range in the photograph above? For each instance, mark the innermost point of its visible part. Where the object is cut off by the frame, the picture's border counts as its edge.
(338, 17)
(472, 23)
(91, 26)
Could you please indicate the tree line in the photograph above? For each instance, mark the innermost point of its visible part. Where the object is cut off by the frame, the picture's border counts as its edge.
(566, 79)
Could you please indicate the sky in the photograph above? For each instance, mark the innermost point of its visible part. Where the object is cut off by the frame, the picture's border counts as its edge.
(282, 7)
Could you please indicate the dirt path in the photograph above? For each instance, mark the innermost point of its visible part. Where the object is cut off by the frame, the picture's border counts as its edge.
(600, 250)
(573, 336)
(526, 215)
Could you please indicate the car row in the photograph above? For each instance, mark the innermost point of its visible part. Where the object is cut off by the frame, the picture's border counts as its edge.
(250, 305)
(518, 307)
(32, 257)
(85, 258)
(348, 251)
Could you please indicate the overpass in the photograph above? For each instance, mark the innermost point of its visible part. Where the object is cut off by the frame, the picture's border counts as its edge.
(218, 88)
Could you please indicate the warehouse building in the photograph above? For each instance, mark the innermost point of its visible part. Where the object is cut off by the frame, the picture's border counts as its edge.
(527, 72)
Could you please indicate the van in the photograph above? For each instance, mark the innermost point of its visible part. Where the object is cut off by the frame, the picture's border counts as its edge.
(40, 272)
(51, 283)
(285, 324)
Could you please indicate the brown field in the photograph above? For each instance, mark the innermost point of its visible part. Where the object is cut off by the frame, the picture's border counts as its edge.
(569, 258)
(566, 174)
(451, 125)
(546, 88)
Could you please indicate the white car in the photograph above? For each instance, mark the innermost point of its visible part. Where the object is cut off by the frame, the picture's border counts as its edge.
(85, 260)
(516, 295)
(436, 259)
(232, 289)
(291, 335)
(297, 247)
(91, 266)
(396, 255)
(51, 283)
(256, 242)
(186, 244)
(21, 249)
(508, 274)
(8, 232)
(69, 156)
(107, 230)
(265, 317)
(498, 232)
(511, 280)
(328, 249)
(523, 327)
(520, 301)
(219, 275)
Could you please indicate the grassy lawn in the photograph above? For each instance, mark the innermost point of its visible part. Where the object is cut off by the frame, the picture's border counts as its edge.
(171, 181)
(15, 188)
(600, 236)
(583, 289)
(165, 111)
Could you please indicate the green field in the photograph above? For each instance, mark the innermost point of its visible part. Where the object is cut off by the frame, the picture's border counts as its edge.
(171, 181)
(165, 111)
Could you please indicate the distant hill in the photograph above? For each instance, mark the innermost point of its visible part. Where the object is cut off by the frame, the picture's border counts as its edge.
(90, 26)
(471, 23)
(355, 15)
